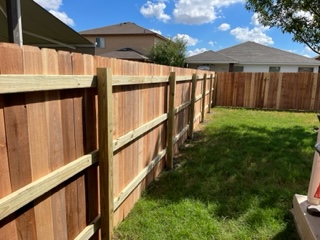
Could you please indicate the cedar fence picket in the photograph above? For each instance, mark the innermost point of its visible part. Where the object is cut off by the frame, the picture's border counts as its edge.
(278, 91)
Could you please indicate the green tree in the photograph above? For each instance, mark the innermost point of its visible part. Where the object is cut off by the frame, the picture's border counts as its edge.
(171, 53)
(298, 17)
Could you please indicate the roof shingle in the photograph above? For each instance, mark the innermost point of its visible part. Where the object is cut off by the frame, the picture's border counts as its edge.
(210, 57)
(254, 53)
(119, 29)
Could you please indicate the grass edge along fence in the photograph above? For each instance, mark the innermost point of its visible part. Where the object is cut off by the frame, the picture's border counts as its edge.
(28, 95)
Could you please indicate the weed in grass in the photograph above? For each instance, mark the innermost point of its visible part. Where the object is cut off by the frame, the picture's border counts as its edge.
(236, 180)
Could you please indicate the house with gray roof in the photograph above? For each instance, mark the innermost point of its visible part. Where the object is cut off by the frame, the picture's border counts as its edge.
(253, 57)
(125, 40)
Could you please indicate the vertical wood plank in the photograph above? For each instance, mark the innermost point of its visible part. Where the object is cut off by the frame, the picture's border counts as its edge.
(69, 154)
(314, 91)
(317, 98)
(15, 115)
(192, 106)
(56, 155)
(252, 91)
(210, 93)
(215, 89)
(105, 150)
(90, 144)
(32, 60)
(13, 61)
(8, 228)
(15, 112)
(171, 117)
(203, 105)
(279, 88)
(266, 89)
(78, 59)
(38, 138)
(37, 125)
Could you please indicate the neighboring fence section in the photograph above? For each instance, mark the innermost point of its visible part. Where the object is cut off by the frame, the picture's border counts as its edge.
(283, 91)
(56, 183)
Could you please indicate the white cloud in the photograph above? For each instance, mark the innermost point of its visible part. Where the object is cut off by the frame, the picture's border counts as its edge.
(196, 51)
(190, 40)
(199, 11)
(307, 49)
(62, 16)
(156, 31)
(224, 27)
(256, 34)
(150, 9)
(193, 14)
(53, 7)
(302, 14)
(256, 23)
(211, 43)
(255, 20)
(49, 4)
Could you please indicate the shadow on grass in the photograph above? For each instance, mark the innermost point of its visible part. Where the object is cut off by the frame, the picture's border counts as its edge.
(240, 168)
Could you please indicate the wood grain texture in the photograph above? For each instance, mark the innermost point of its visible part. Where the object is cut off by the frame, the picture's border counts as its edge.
(24, 83)
(50, 62)
(38, 137)
(61, 125)
(19, 159)
(12, 63)
(39, 187)
(171, 118)
(203, 103)
(79, 135)
(289, 91)
(8, 228)
(192, 108)
(69, 155)
(106, 152)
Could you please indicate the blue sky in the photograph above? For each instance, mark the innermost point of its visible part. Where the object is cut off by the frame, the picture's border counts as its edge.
(204, 24)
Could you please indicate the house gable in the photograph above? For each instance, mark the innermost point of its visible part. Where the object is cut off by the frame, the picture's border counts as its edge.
(122, 36)
(254, 53)
(253, 57)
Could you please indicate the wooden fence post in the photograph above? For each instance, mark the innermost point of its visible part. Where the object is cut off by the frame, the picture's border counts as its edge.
(105, 125)
(204, 85)
(193, 98)
(170, 135)
(215, 89)
(210, 94)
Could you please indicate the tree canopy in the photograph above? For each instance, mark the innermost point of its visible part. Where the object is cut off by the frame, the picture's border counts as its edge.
(299, 17)
(171, 53)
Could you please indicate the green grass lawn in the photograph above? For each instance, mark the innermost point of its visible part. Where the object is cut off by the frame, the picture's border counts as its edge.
(235, 180)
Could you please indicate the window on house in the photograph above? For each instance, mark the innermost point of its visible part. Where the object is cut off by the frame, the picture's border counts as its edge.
(305, 69)
(238, 68)
(274, 69)
(204, 67)
(100, 42)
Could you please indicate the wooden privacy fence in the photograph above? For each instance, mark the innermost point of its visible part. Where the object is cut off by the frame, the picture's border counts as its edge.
(283, 91)
(78, 145)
